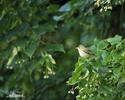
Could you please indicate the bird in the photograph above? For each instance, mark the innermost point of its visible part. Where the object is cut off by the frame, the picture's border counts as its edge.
(84, 52)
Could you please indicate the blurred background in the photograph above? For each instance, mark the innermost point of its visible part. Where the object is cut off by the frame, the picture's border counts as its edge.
(38, 40)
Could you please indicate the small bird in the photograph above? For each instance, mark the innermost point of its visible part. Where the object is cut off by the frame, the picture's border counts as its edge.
(84, 52)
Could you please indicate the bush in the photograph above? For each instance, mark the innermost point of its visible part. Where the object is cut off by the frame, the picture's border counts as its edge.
(101, 77)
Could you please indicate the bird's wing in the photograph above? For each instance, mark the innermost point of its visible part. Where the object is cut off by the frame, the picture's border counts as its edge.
(88, 51)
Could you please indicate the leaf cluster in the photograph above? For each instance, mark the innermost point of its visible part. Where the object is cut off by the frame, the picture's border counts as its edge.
(101, 77)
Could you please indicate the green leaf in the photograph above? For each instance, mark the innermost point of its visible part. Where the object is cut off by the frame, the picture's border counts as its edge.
(122, 79)
(102, 45)
(65, 8)
(19, 30)
(76, 73)
(54, 47)
(23, 28)
(93, 49)
(43, 29)
(31, 48)
(105, 54)
(117, 71)
(108, 1)
(57, 18)
(114, 40)
(36, 63)
(106, 57)
(96, 41)
(22, 43)
(52, 8)
(74, 79)
(103, 70)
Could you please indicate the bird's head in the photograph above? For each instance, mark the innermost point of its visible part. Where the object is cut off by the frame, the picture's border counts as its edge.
(80, 47)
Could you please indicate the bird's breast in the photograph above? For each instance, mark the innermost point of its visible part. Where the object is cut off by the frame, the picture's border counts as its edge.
(83, 54)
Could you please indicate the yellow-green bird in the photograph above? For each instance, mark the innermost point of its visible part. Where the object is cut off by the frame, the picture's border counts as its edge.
(84, 52)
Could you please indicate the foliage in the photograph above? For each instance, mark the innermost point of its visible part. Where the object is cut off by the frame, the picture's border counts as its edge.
(101, 77)
(38, 40)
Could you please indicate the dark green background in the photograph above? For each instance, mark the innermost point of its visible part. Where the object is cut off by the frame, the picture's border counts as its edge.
(38, 40)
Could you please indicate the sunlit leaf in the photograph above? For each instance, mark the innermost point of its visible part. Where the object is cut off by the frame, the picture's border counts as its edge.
(114, 40)
(102, 45)
(65, 8)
